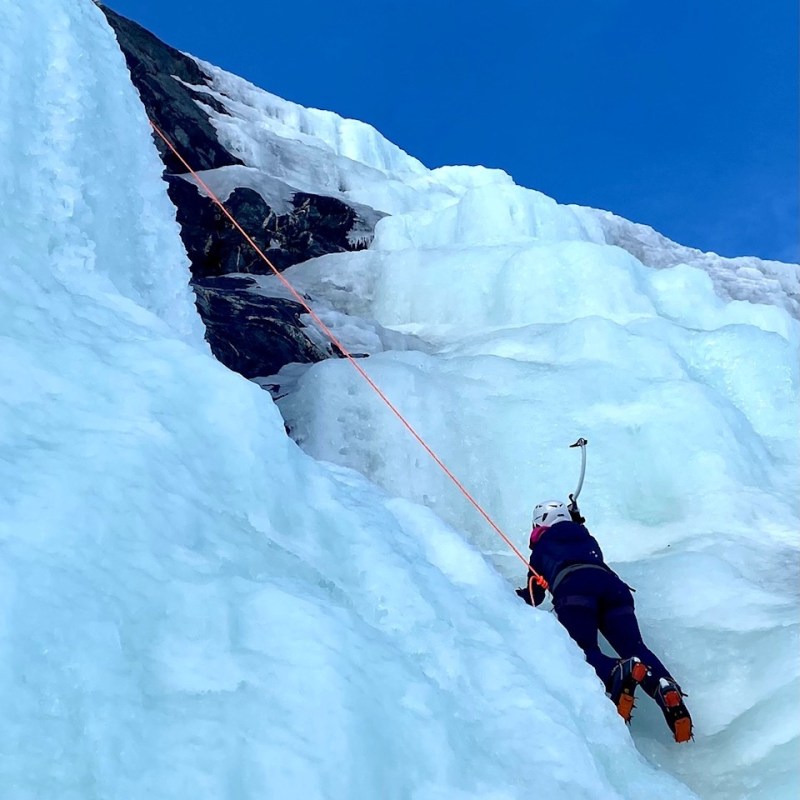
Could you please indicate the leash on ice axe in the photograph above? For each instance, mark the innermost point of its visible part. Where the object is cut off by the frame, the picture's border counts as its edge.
(573, 509)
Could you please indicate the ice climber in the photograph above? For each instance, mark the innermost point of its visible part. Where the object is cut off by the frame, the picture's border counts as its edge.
(590, 598)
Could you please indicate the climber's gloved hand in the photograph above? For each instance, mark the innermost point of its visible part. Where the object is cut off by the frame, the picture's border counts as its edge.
(525, 594)
(574, 511)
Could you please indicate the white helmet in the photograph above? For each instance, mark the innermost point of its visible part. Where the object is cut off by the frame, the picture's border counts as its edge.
(547, 514)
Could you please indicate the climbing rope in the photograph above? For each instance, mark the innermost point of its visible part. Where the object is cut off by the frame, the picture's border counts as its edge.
(324, 328)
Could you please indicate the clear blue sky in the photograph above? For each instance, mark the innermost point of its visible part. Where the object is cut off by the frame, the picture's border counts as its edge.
(682, 114)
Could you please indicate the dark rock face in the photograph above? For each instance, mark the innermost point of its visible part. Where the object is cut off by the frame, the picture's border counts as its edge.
(315, 226)
(249, 333)
(169, 103)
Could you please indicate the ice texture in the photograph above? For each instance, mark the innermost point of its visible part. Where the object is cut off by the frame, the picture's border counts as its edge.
(690, 406)
(743, 278)
(191, 606)
(317, 151)
(536, 323)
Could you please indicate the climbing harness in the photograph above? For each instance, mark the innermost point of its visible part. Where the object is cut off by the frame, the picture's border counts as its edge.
(535, 576)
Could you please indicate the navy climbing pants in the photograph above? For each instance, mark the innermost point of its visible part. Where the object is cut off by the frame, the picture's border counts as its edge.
(592, 601)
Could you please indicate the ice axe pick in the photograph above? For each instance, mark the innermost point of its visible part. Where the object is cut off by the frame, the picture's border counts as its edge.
(582, 444)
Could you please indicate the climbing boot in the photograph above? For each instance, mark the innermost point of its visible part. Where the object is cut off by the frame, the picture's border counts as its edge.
(625, 677)
(670, 700)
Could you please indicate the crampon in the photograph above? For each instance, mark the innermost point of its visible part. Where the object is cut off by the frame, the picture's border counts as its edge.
(626, 676)
(670, 700)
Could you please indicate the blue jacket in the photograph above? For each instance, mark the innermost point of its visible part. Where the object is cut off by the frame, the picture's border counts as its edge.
(562, 545)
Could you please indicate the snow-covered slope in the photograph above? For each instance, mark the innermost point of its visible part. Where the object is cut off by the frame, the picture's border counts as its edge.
(744, 278)
(536, 323)
(317, 151)
(191, 606)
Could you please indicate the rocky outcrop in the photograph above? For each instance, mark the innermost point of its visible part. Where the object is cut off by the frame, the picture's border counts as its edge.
(313, 227)
(258, 334)
(160, 74)
(247, 332)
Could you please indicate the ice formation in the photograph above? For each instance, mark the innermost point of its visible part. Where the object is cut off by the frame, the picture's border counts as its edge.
(534, 323)
(193, 607)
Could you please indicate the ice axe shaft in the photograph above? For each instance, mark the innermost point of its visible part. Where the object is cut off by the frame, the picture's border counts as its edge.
(582, 444)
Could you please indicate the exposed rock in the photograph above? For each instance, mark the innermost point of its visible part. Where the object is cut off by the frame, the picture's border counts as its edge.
(249, 333)
(171, 105)
(314, 227)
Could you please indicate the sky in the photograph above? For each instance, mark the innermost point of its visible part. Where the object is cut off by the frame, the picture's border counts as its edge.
(676, 113)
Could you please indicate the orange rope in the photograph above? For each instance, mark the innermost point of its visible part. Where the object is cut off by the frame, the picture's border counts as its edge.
(324, 328)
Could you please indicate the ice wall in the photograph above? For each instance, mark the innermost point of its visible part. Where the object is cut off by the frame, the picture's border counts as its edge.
(80, 197)
(190, 606)
(533, 323)
(690, 406)
(319, 152)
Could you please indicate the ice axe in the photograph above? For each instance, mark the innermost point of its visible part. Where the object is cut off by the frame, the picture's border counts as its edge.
(574, 496)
